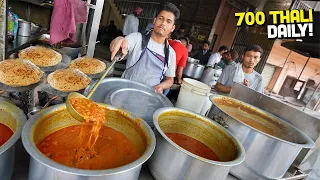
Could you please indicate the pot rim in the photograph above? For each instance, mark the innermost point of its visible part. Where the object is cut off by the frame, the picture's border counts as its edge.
(309, 142)
(241, 152)
(27, 140)
(21, 119)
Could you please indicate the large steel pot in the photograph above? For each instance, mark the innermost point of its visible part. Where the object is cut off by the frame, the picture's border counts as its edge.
(56, 117)
(193, 70)
(171, 162)
(192, 60)
(14, 118)
(210, 76)
(267, 156)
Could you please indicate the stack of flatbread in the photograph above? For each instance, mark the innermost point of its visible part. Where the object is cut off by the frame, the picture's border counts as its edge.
(19, 72)
(88, 65)
(68, 80)
(41, 56)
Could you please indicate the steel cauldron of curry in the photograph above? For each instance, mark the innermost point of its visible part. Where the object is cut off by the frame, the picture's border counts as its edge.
(190, 146)
(270, 142)
(12, 120)
(110, 143)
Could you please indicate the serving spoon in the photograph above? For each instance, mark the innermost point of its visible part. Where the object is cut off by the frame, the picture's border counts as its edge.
(71, 95)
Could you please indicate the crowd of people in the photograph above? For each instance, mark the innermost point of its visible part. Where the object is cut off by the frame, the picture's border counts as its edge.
(158, 55)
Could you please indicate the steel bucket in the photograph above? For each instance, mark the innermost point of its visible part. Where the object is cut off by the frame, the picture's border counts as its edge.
(267, 156)
(56, 117)
(171, 162)
(14, 118)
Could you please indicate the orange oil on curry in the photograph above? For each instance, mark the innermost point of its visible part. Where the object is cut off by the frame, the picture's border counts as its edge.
(90, 145)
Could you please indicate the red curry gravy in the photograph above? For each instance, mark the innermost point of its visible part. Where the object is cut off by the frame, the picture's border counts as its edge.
(112, 149)
(90, 145)
(192, 145)
(5, 133)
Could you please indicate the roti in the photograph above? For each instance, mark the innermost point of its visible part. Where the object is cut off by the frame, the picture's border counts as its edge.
(68, 80)
(19, 72)
(41, 56)
(88, 65)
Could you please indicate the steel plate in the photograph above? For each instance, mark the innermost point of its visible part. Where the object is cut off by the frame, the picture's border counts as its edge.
(141, 103)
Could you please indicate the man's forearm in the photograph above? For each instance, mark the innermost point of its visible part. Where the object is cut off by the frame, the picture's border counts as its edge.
(179, 73)
(166, 84)
(224, 89)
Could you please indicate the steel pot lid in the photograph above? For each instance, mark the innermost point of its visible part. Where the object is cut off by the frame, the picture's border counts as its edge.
(141, 103)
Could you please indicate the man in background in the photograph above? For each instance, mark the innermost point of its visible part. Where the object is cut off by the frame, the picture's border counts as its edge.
(180, 47)
(243, 73)
(204, 54)
(216, 57)
(228, 58)
(131, 23)
(179, 33)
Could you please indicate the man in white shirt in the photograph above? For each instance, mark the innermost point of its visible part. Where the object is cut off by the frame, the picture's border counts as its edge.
(131, 23)
(150, 59)
(243, 73)
(216, 57)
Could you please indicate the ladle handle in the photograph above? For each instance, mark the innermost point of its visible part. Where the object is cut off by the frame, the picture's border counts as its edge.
(116, 58)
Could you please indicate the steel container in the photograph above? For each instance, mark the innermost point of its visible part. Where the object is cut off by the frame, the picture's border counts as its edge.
(193, 70)
(171, 162)
(24, 28)
(208, 75)
(14, 118)
(56, 117)
(267, 156)
(192, 60)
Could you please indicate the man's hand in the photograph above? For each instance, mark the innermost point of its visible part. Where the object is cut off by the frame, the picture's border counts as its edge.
(246, 82)
(158, 88)
(116, 44)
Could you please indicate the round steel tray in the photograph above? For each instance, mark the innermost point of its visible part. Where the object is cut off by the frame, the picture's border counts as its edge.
(137, 93)
(143, 104)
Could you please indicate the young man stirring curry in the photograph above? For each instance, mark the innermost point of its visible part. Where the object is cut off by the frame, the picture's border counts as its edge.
(154, 63)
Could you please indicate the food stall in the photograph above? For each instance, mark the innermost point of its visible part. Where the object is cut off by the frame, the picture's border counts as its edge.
(138, 130)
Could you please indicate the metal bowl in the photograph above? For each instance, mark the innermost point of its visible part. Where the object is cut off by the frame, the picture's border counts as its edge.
(170, 161)
(268, 155)
(56, 117)
(73, 52)
(14, 118)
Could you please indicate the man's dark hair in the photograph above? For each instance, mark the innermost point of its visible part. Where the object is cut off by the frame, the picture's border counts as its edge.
(112, 22)
(185, 39)
(206, 42)
(223, 48)
(182, 26)
(234, 53)
(254, 48)
(171, 8)
(226, 53)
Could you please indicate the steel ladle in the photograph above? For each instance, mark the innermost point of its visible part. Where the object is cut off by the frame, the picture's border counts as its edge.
(71, 95)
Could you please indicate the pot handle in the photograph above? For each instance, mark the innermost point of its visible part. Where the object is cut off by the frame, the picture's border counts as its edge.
(193, 91)
(221, 120)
